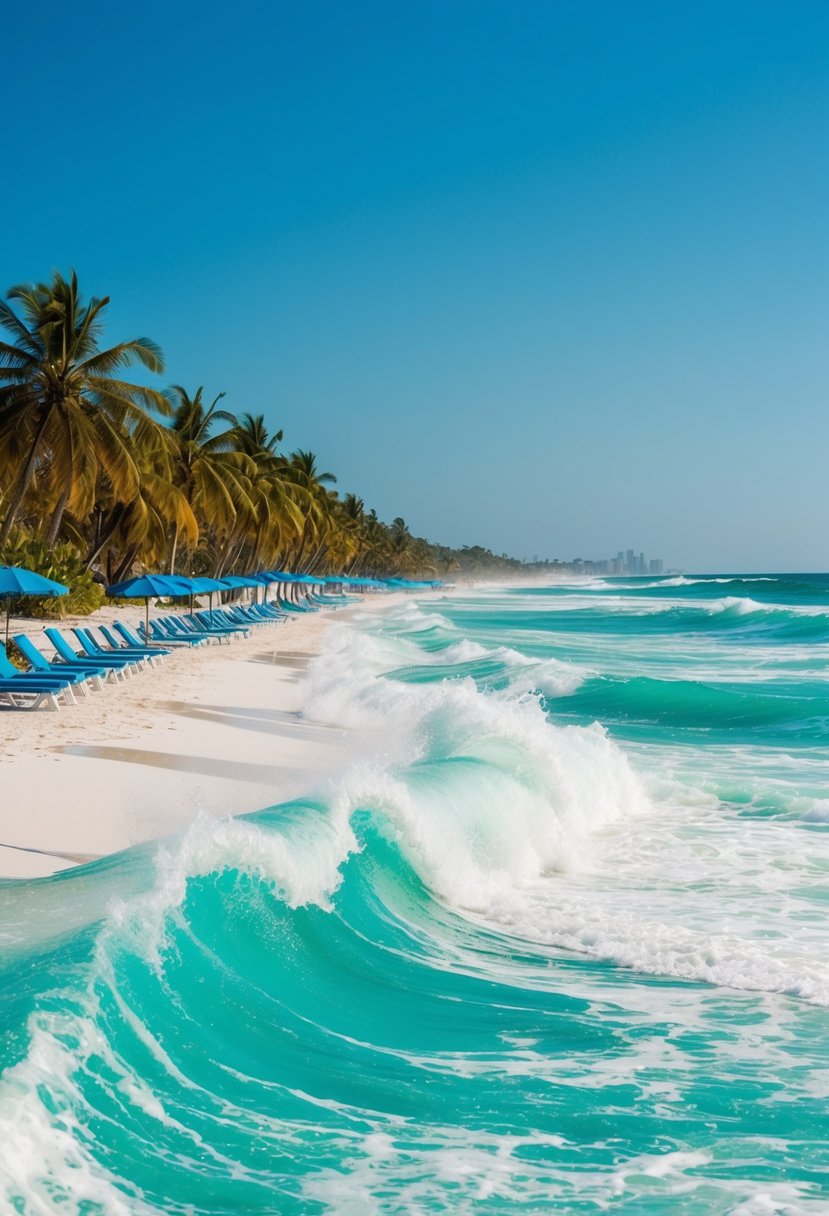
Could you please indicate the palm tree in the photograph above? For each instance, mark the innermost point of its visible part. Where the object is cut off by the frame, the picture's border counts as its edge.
(120, 530)
(210, 470)
(251, 433)
(400, 544)
(302, 471)
(63, 413)
(275, 516)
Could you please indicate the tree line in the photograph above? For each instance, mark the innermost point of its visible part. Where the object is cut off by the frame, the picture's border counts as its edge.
(119, 477)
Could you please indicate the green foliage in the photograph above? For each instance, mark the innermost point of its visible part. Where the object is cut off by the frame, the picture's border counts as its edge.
(62, 409)
(87, 464)
(61, 563)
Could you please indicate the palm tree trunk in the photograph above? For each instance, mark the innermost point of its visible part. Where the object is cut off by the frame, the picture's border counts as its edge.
(233, 559)
(125, 564)
(309, 566)
(229, 552)
(173, 551)
(57, 519)
(105, 535)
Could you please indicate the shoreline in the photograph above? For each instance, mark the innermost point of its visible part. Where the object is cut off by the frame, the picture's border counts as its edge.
(215, 730)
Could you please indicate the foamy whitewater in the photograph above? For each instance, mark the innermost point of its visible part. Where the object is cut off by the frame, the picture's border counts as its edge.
(554, 940)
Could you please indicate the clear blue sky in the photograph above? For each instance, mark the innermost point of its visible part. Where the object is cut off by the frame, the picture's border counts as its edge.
(549, 277)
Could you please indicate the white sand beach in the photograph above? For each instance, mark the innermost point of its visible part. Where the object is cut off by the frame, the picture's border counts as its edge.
(214, 729)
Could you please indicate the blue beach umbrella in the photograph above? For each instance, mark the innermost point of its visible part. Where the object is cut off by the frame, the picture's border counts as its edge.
(242, 581)
(275, 576)
(239, 581)
(146, 586)
(15, 581)
(253, 581)
(209, 585)
(201, 585)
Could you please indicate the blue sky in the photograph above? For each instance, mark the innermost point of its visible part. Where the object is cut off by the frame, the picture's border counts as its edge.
(549, 277)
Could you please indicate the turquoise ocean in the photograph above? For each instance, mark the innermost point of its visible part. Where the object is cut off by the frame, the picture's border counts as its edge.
(554, 939)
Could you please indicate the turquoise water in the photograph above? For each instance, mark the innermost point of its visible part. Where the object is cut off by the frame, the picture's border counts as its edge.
(554, 940)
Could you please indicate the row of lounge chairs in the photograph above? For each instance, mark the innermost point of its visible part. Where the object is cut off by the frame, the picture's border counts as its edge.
(103, 656)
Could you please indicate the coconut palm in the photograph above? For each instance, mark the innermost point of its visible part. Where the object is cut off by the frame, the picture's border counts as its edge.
(251, 433)
(64, 415)
(316, 501)
(208, 469)
(273, 516)
(119, 531)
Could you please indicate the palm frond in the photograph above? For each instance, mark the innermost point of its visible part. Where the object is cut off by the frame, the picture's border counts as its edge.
(9, 320)
(149, 398)
(125, 354)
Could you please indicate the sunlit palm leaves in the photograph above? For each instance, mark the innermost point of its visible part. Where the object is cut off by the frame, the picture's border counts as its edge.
(64, 417)
(135, 478)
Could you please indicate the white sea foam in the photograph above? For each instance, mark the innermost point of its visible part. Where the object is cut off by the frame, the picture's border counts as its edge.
(507, 815)
(465, 651)
(45, 1163)
(818, 812)
(558, 679)
(682, 580)
(553, 677)
(413, 619)
(734, 605)
(644, 944)
(517, 796)
(737, 605)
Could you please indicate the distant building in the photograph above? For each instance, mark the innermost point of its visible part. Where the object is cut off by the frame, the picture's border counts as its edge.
(626, 563)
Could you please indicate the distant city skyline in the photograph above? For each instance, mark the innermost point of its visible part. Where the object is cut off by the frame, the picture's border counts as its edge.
(626, 562)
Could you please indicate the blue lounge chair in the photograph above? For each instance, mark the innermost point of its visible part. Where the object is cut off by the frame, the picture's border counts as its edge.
(14, 683)
(135, 642)
(268, 612)
(247, 615)
(287, 606)
(65, 663)
(232, 618)
(79, 677)
(14, 694)
(136, 648)
(97, 652)
(237, 617)
(219, 622)
(121, 667)
(177, 629)
(165, 638)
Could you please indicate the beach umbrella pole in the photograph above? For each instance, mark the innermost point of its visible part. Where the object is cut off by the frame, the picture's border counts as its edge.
(147, 617)
(8, 614)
